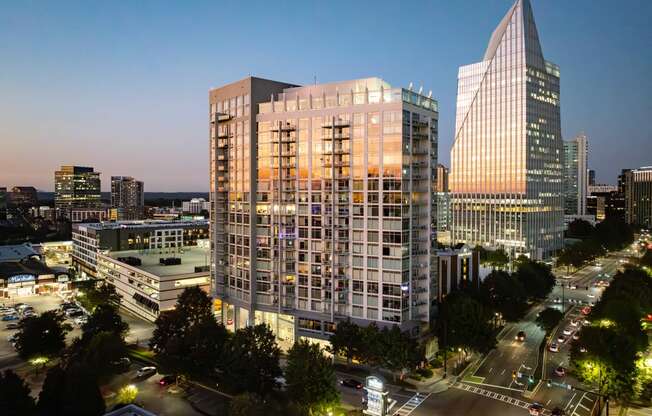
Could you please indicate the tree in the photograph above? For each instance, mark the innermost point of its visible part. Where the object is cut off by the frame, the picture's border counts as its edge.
(371, 345)
(247, 404)
(609, 363)
(310, 377)
(464, 323)
(15, 396)
(548, 319)
(50, 399)
(646, 260)
(93, 293)
(188, 340)
(43, 335)
(345, 341)
(105, 318)
(101, 351)
(536, 278)
(252, 360)
(400, 350)
(495, 258)
(614, 233)
(81, 395)
(632, 284)
(580, 229)
(503, 293)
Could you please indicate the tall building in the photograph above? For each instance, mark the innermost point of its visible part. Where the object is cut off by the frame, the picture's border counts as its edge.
(76, 187)
(23, 196)
(638, 196)
(322, 205)
(442, 195)
(127, 198)
(3, 203)
(591, 177)
(576, 155)
(506, 160)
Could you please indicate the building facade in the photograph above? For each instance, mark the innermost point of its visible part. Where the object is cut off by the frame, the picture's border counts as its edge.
(638, 196)
(145, 236)
(196, 206)
(506, 160)
(76, 187)
(457, 268)
(322, 205)
(576, 183)
(149, 282)
(127, 198)
(24, 273)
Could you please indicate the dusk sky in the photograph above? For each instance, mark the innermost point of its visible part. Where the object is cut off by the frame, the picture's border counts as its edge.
(123, 86)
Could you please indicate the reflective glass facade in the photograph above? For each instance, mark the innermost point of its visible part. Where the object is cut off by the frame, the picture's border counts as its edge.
(343, 210)
(576, 155)
(506, 160)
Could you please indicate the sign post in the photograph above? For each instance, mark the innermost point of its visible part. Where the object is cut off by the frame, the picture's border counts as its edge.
(377, 397)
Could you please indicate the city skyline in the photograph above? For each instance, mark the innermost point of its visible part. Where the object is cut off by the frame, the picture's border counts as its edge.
(145, 82)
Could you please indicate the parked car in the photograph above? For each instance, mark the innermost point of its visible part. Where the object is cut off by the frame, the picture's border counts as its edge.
(560, 371)
(81, 320)
(10, 318)
(13, 325)
(351, 382)
(12, 338)
(553, 347)
(146, 372)
(123, 362)
(535, 409)
(167, 380)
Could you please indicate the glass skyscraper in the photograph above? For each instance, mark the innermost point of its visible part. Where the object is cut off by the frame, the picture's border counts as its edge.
(506, 160)
(576, 181)
(322, 205)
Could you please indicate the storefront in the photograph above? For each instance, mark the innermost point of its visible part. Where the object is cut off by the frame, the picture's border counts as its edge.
(21, 279)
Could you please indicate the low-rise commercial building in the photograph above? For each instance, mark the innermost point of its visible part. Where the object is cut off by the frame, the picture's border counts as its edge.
(23, 273)
(89, 238)
(149, 281)
(196, 206)
(458, 268)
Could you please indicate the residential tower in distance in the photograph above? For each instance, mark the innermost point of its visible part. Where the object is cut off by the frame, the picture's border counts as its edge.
(506, 160)
(127, 198)
(576, 181)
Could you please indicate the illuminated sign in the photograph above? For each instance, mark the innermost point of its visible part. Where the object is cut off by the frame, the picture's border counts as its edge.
(376, 397)
(20, 278)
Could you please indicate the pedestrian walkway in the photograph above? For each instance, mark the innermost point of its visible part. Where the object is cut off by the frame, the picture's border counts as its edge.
(411, 404)
(491, 394)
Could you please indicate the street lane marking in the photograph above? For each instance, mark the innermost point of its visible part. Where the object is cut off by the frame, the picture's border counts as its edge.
(570, 401)
(491, 369)
(503, 372)
(411, 404)
(491, 395)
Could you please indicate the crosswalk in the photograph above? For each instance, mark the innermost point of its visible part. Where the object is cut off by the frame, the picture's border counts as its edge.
(411, 404)
(491, 394)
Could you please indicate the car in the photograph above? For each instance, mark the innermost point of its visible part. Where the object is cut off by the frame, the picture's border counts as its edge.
(557, 300)
(573, 287)
(520, 336)
(561, 339)
(590, 296)
(123, 362)
(9, 311)
(535, 409)
(553, 347)
(586, 322)
(568, 331)
(27, 314)
(12, 338)
(582, 349)
(560, 371)
(81, 320)
(13, 325)
(75, 314)
(167, 380)
(351, 382)
(146, 372)
(10, 318)
(576, 337)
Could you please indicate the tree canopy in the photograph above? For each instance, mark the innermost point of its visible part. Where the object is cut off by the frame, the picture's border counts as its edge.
(535, 277)
(15, 396)
(43, 335)
(548, 319)
(505, 294)
(464, 323)
(310, 377)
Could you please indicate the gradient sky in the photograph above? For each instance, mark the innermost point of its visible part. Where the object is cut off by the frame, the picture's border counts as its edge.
(122, 86)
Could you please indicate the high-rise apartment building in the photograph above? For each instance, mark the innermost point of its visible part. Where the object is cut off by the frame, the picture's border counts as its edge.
(638, 196)
(76, 187)
(127, 198)
(506, 160)
(591, 177)
(576, 156)
(322, 205)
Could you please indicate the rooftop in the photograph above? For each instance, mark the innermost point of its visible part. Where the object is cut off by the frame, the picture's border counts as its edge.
(114, 225)
(191, 257)
(16, 252)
